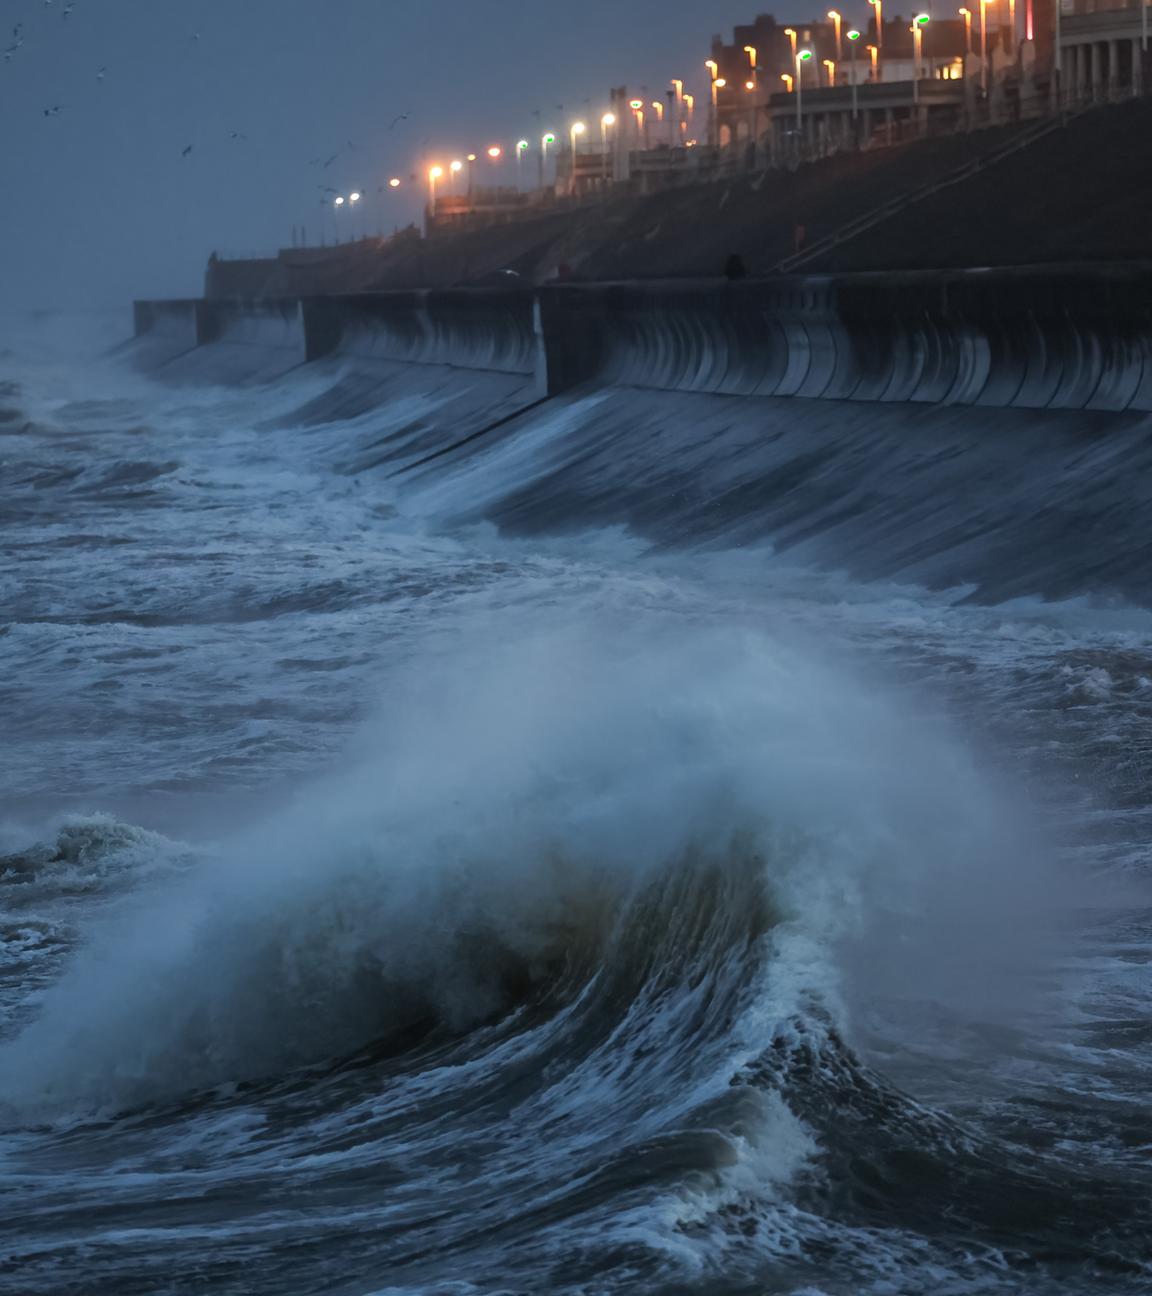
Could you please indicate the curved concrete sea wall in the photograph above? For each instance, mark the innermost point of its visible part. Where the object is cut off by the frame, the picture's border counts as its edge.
(495, 331)
(1032, 340)
(1027, 340)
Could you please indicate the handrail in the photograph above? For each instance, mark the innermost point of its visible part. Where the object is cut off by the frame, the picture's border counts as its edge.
(859, 224)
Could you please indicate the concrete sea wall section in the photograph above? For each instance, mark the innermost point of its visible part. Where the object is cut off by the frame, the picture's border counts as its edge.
(1034, 339)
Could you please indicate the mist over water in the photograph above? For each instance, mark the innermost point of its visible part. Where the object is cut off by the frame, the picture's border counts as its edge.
(409, 884)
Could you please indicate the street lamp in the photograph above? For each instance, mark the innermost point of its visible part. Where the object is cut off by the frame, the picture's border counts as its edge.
(789, 82)
(436, 173)
(802, 57)
(1012, 26)
(658, 109)
(874, 55)
(966, 14)
(454, 169)
(495, 152)
(394, 183)
(830, 64)
(608, 120)
(984, 45)
(790, 32)
(836, 22)
(853, 41)
(878, 5)
(546, 141)
(522, 147)
(750, 50)
(917, 30)
(577, 129)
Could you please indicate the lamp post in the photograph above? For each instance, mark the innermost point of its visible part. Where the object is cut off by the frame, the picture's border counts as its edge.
(751, 51)
(353, 198)
(984, 45)
(454, 169)
(917, 29)
(637, 106)
(789, 82)
(545, 142)
(802, 57)
(1012, 26)
(717, 86)
(607, 121)
(577, 129)
(966, 14)
(1058, 59)
(471, 173)
(874, 71)
(790, 32)
(836, 23)
(434, 174)
(853, 41)
(678, 86)
(713, 72)
(522, 147)
(878, 5)
(830, 66)
(337, 203)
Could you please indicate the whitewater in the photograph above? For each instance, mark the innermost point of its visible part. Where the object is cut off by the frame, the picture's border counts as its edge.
(579, 863)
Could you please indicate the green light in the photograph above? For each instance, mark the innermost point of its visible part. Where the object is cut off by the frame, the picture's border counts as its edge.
(521, 146)
(920, 19)
(549, 138)
(804, 55)
(853, 35)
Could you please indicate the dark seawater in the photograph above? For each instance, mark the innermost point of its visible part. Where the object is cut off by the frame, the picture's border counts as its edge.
(521, 876)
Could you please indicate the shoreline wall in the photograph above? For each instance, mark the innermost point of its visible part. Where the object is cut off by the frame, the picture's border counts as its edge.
(1031, 339)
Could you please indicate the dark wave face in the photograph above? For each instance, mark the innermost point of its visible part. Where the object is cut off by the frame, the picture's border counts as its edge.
(545, 870)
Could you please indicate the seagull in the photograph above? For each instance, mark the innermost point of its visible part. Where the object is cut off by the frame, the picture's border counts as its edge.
(187, 152)
(236, 135)
(331, 160)
(53, 112)
(9, 52)
(100, 74)
(66, 12)
(397, 120)
(17, 32)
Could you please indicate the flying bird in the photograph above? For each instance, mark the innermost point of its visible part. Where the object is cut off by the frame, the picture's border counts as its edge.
(331, 160)
(101, 74)
(186, 152)
(237, 135)
(396, 120)
(67, 11)
(53, 112)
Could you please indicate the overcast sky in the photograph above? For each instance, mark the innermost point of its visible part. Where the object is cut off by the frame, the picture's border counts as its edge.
(99, 205)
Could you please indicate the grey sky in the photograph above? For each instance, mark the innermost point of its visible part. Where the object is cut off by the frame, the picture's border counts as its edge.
(99, 205)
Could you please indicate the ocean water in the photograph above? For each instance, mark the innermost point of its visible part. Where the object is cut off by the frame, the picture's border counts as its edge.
(530, 874)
